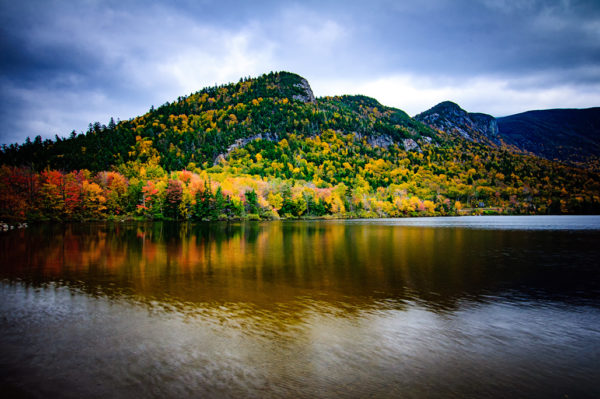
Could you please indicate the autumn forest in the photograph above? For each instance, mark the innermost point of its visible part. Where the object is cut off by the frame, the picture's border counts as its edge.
(265, 148)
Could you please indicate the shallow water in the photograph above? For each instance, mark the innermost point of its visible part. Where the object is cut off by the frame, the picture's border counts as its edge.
(438, 307)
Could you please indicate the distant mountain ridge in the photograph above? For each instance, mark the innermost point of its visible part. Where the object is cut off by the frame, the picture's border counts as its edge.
(565, 135)
(569, 135)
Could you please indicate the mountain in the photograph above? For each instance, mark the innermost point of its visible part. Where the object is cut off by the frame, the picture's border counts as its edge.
(569, 135)
(451, 118)
(209, 124)
(265, 147)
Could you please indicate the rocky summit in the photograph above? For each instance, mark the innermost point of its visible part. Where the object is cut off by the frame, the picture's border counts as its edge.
(451, 118)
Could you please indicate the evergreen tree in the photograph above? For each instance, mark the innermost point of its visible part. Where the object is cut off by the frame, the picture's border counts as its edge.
(251, 202)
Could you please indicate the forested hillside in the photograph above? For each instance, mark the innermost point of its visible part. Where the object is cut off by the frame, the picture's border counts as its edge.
(451, 118)
(569, 135)
(266, 148)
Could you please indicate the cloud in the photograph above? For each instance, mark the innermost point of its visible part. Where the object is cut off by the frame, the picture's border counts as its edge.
(80, 70)
(46, 112)
(66, 64)
(312, 33)
(493, 95)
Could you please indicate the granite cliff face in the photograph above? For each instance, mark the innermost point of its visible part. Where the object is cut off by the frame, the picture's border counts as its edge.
(451, 118)
(306, 96)
(486, 125)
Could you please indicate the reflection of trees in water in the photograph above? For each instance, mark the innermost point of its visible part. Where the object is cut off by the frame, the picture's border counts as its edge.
(279, 262)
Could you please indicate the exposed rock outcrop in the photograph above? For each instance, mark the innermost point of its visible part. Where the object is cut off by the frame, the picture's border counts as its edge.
(383, 141)
(239, 143)
(451, 118)
(307, 96)
(386, 141)
(486, 125)
(411, 145)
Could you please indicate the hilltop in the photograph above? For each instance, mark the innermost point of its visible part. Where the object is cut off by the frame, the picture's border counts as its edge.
(203, 126)
(451, 118)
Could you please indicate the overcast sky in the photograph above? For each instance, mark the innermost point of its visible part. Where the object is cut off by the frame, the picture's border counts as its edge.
(64, 64)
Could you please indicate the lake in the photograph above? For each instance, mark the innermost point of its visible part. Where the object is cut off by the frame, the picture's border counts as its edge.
(467, 307)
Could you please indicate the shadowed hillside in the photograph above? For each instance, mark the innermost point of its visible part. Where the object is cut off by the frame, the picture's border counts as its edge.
(571, 135)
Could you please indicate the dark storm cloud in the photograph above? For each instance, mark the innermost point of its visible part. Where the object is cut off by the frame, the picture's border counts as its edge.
(65, 64)
(462, 38)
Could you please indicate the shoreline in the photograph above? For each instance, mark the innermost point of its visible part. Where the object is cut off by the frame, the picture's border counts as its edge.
(8, 226)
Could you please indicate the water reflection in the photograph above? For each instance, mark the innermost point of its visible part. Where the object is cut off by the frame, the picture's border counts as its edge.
(298, 310)
(336, 262)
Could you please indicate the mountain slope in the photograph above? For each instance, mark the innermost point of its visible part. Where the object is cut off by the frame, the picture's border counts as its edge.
(451, 118)
(570, 135)
(203, 126)
(266, 147)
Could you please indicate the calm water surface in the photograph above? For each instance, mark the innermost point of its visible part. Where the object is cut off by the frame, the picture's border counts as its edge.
(440, 307)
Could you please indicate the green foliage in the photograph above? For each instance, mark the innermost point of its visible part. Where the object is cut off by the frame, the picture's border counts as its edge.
(204, 200)
(200, 127)
(257, 147)
(251, 202)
